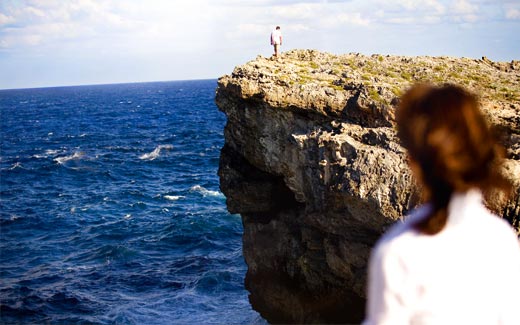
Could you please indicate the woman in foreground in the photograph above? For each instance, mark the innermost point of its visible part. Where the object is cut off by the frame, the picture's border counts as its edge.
(451, 261)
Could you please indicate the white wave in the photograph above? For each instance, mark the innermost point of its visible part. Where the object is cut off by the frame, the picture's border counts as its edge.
(46, 154)
(16, 165)
(173, 197)
(156, 153)
(64, 159)
(205, 192)
(138, 204)
(50, 152)
(80, 268)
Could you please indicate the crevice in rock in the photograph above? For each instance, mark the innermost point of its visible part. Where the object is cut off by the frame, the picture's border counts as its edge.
(252, 192)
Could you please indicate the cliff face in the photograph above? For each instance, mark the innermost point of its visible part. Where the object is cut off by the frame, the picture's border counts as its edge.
(312, 164)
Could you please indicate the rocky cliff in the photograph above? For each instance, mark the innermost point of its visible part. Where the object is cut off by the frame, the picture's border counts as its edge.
(312, 163)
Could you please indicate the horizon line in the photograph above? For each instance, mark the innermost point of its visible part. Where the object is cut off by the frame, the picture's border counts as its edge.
(105, 84)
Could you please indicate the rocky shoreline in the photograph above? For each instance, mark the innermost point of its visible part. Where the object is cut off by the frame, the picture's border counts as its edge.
(312, 164)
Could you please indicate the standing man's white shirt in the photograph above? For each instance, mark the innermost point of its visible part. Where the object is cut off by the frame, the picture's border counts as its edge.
(276, 37)
(469, 273)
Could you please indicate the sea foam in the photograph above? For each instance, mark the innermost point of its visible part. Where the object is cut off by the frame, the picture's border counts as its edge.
(173, 197)
(16, 165)
(205, 192)
(64, 159)
(156, 153)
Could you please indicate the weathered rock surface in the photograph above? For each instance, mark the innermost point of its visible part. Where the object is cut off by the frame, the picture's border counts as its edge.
(312, 163)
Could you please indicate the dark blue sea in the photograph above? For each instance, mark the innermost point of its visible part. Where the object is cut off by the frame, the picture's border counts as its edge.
(110, 209)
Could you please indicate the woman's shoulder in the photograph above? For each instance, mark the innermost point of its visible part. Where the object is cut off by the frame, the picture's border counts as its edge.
(402, 237)
(402, 233)
(469, 211)
(497, 229)
(405, 225)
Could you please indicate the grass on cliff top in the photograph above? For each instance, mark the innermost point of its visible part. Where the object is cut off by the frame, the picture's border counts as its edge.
(395, 73)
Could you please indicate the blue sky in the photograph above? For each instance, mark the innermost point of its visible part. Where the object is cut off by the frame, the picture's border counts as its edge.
(76, 42)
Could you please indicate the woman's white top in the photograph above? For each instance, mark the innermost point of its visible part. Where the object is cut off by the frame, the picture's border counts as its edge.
(469, 273)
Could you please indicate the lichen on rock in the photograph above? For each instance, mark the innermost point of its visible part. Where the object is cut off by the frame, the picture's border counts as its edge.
(312, 163)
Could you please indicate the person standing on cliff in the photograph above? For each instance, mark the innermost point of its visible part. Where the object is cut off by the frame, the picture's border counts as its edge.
(451, 261)
(276, 40)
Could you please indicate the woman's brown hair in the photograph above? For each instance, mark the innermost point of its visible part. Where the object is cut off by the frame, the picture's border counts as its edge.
(448, 139)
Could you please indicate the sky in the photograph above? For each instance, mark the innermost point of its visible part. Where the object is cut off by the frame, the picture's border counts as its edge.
(46, 43)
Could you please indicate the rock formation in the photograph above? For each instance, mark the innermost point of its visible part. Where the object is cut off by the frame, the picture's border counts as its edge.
(312, 163)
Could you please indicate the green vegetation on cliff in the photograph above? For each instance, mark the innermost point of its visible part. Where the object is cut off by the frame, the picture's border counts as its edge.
(386, 76)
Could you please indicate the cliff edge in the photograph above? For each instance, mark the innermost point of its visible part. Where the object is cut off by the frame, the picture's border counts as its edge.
(312, 164)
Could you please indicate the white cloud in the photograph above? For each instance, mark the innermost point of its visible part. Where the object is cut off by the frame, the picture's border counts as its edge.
(4, 20)
(297, 27)
(464, 11)
(133, 23)
(411, 6)
(222, 33)
(319, 15)
(401, 20)
(35, 12)
(513, 13)
(122, 26)
(248, 30)
(379, 13)
(346, 18)
(431, 19)
(464, 7)
(438, 7)
(301, 11)
(407, 12)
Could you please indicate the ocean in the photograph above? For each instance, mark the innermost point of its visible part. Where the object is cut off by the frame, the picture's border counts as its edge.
(110, 209)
